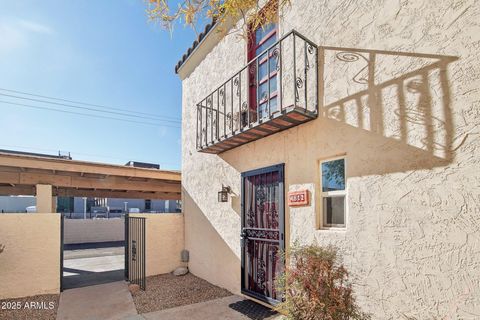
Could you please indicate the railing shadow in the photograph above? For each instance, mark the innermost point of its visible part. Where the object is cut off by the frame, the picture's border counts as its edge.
(403, 97)
(388, 111)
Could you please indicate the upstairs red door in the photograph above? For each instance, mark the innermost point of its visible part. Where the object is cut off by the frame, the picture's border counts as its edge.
(262, 232)
(263, 71)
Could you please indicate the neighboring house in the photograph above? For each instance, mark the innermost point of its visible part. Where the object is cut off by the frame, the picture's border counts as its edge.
(369, 109)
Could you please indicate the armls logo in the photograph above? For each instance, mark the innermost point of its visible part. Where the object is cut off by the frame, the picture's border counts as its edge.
(31, 305)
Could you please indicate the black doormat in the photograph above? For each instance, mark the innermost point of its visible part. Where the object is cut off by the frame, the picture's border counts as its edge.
(252, 310)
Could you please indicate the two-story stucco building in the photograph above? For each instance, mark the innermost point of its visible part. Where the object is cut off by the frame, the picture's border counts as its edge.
(370, 110)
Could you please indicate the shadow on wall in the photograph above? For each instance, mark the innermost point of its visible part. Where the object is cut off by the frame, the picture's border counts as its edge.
(211, 255)
(389, 111)
(401, 102)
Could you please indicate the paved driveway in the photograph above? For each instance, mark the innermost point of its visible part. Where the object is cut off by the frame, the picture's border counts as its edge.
(85, 267)
(93, 252)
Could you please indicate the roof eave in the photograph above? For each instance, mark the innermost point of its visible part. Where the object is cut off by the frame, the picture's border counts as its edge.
(190, 61)
(193, 48)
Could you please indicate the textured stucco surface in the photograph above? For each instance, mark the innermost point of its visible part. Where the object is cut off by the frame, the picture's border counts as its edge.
(164, 236)
(30, 263)
(405, 114)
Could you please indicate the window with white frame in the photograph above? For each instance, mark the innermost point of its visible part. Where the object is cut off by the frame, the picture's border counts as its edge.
(334, 192)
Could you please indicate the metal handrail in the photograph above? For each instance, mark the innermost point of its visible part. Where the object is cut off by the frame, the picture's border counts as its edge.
(262, 53)
(208, 128)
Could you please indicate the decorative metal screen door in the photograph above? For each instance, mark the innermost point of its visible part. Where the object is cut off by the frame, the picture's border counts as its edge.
(262, 236)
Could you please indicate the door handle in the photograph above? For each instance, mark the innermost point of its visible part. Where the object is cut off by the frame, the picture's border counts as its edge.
(243, 237)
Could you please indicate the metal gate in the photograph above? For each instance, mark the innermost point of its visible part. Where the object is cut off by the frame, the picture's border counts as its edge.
(135, 250)
(62, 233)
(262, 236)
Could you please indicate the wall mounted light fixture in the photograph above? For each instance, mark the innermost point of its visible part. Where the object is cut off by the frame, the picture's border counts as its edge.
(223, 195)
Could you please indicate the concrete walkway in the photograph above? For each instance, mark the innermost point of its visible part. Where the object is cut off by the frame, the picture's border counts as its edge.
(113, 301)
(101, 302)
(228, 308)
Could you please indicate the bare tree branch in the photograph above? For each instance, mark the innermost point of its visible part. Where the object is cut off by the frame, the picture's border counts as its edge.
(251, 13)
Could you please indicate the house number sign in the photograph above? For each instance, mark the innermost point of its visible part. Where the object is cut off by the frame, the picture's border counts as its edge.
(298, 198)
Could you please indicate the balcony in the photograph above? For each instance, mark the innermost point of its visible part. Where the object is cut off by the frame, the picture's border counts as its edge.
(275, 91)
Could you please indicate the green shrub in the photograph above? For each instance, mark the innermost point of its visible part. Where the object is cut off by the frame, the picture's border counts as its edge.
(316, 287)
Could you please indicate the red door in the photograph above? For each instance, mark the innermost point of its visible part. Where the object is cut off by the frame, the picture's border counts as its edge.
(263, 71)
(262, 232)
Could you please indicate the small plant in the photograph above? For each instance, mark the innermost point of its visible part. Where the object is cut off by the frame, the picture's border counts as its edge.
(316, 287)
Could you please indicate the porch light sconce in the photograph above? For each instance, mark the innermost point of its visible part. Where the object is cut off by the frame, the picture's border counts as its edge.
(223, 195)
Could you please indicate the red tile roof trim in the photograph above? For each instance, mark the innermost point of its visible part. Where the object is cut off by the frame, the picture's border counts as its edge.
(195, 44)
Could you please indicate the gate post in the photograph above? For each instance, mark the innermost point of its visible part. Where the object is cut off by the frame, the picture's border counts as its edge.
(126, 245)
(62, 226)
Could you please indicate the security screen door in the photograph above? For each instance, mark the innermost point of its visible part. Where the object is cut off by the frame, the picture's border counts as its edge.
(262, 234)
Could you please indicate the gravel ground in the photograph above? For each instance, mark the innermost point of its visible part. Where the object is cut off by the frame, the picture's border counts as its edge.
(41, 307)
(168, 291)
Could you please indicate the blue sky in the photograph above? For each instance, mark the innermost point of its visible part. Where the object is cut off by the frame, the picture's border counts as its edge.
(101, 52)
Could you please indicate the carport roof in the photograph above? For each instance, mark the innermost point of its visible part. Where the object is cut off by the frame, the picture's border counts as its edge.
(20, 173)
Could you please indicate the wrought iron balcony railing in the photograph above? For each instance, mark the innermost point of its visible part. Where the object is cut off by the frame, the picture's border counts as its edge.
(276, 90)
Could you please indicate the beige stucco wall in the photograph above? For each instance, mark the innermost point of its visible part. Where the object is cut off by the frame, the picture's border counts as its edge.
(210, 237)
(93, 230)
(44, 199)
(165, 242)
(30, 263)
(411, 140)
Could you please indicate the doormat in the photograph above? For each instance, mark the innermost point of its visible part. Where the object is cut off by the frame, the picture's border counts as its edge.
(253, 310)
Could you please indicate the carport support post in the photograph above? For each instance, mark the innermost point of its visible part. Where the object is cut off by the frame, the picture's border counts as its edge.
(84, 208)
(54, 204)
(44, 198)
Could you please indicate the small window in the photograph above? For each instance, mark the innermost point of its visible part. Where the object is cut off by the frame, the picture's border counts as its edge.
(333, 182)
